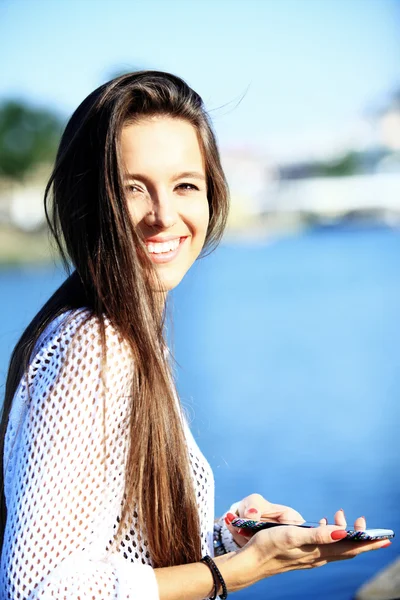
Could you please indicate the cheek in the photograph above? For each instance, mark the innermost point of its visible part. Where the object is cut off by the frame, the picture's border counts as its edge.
(200, 218)
(137, 209)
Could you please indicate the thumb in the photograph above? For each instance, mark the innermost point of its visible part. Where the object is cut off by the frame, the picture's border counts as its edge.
(305, 536)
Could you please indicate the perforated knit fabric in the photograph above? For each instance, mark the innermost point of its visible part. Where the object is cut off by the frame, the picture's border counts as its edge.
(63, 504)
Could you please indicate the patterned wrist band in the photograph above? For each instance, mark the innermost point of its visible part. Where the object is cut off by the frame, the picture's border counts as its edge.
(217, 577)
(219, 548)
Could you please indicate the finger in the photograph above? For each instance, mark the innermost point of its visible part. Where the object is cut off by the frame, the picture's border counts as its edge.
(283, 514)
(288, 537)
(240, 539)
(319, 543)
(247, 533)
(256, 507)
(347, 549)
(241, 531)
(253, 506)
(323, 521)
(289, 515)
(340, 518)
(360, 524)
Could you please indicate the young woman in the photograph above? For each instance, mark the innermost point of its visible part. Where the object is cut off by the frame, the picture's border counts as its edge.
(105, 492)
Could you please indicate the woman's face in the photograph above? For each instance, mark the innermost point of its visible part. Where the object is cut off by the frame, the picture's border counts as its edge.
(166, 192)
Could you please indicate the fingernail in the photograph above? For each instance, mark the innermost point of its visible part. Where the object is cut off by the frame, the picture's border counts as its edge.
(339, 534)
(229, 518)
(341, 510)
(386, 545)
(252, 511)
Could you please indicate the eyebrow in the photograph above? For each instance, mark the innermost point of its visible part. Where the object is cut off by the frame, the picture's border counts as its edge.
(190, 175)
(185, 174)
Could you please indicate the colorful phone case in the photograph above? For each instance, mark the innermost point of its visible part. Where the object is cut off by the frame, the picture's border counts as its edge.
(356, 536)
(369, 535)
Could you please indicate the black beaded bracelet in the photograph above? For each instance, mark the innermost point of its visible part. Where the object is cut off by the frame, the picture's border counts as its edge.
(218, 579)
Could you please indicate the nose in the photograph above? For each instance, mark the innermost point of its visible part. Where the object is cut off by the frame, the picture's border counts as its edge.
(162, 212)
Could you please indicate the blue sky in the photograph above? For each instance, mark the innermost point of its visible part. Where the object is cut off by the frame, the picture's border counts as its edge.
(305, 67)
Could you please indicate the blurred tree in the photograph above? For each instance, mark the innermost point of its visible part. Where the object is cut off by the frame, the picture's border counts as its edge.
(28, 138)
(349, 164)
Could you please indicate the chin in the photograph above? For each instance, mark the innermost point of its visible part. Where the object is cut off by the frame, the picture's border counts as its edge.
(167, 281)
(166, 284)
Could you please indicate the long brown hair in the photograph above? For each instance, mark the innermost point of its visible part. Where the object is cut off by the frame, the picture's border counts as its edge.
(89, 219)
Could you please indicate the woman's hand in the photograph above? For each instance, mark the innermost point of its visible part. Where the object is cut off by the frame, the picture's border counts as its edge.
(279, 549)
(252, 507)
(292, 548)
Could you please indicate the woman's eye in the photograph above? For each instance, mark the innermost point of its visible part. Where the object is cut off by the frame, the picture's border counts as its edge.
(133, 189)
(187, 186)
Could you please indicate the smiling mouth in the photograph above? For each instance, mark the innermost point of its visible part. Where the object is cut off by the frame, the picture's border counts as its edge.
(164, 251)
(163, 247)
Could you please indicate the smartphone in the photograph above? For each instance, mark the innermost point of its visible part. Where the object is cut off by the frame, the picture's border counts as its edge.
(366, 535)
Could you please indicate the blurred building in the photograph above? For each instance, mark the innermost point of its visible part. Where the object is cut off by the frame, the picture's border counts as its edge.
(252, 177)
(362, 178)
(389, 125)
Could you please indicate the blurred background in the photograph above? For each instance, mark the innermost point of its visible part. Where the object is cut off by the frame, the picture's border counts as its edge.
(287, 336)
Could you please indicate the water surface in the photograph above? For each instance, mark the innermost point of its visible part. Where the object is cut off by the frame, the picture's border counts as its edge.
(290, 369)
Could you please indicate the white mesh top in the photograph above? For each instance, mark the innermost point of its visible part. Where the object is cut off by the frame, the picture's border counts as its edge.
(63, 505)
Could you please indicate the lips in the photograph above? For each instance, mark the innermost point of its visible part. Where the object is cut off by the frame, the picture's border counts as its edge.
(163, 238)
(164, 249)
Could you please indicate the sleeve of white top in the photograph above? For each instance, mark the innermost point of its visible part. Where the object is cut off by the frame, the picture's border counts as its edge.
(62, 503)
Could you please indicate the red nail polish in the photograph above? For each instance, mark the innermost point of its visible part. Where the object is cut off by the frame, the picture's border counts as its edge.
(251, 511)
(229, 517)
(386, 545)
(339, 534)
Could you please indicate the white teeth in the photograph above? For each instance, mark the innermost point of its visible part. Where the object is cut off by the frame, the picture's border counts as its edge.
(160, 247)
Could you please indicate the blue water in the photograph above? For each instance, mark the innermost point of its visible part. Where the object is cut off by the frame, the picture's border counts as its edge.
(290, 369)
